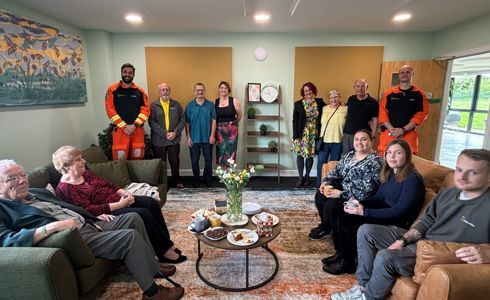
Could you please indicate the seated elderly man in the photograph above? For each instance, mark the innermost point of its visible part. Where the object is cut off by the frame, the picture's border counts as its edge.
(29, 216)
(457, 214)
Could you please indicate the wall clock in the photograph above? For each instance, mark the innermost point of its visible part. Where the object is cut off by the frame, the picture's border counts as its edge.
(270, 91)
(260, 54)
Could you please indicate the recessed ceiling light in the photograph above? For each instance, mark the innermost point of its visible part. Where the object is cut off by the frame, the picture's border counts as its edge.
(134, 18)
(262, 17)
(402, 17)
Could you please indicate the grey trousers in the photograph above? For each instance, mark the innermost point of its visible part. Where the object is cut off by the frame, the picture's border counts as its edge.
(378, 266)
(124, 239)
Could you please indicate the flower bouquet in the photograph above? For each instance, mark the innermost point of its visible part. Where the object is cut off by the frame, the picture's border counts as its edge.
(234, 181)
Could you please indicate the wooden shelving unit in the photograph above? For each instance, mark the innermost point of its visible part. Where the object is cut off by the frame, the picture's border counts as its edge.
(260, 154)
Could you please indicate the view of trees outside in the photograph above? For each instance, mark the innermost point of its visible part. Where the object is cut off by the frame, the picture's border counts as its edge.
(462, 89)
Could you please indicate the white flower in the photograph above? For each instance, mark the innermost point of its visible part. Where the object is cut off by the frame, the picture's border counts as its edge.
(226, 175)
(252, 170)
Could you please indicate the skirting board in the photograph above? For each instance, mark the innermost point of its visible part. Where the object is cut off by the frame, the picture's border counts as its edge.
(286, 173)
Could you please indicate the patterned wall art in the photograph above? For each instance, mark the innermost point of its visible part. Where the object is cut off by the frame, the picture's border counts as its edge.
(39, 64)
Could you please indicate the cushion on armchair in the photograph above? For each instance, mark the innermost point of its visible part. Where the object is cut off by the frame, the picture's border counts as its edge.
(114, 171)
(147, 171)
(435, 252)
(70, 241)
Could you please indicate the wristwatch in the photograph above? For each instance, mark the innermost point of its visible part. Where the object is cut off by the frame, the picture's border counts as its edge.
(404, 130)
(404, 240)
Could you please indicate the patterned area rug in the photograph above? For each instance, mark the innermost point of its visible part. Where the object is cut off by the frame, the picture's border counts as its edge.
(300, 273)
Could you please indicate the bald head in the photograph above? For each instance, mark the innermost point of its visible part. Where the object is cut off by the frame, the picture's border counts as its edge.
(164, 90)
(360, 87)
(405, 75)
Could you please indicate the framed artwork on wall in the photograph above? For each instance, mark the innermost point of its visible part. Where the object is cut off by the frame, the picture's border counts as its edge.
(253, 91)
(39, 64)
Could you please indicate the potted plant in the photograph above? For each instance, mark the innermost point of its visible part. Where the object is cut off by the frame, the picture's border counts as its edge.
(251, 112)
(263, 129)
(272, 146)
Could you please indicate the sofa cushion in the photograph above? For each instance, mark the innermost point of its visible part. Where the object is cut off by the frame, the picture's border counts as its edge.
(94, 154)
(145, 170)
(429, 196)
(434, 174)
(39, 177)
(433, 253)
(71, 242)
(114, 171)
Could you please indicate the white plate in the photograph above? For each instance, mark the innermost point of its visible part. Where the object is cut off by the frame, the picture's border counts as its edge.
(191, 230)
(243, 221)
(251, 208)
(214, 228)
(253, 236)
(275, 219)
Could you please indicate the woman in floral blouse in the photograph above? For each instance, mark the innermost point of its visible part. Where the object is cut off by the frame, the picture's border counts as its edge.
(307, 114)
(356, 175)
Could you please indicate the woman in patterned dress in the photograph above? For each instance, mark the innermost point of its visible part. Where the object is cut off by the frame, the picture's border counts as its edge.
(228, 114)
(306, 127)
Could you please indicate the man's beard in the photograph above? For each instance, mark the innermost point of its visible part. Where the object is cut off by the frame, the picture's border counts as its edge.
(127, 79)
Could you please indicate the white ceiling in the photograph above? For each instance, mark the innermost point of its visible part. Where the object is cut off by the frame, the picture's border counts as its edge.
(237, 15)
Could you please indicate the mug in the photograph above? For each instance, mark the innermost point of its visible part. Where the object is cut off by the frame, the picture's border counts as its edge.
(215, 220)
(199, 224)
(351, 204)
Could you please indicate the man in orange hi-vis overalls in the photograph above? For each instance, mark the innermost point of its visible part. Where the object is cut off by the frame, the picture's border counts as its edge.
(403, 108)
(128, 108)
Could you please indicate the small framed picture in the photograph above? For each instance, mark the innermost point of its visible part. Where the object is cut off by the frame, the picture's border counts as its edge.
(253, 91)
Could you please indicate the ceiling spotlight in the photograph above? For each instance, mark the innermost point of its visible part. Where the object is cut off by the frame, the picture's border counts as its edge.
(402, 17)
(134, 18)
(262, 17)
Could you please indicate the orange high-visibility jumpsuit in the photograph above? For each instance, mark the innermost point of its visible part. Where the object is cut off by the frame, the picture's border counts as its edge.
(127, 106)
(400, 107)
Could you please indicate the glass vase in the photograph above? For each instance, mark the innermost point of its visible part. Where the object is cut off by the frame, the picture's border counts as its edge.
(234, 213)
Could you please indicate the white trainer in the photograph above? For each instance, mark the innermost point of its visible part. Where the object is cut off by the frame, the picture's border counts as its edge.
(354, 293)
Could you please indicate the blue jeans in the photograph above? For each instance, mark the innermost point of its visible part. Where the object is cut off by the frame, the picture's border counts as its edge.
(332, 150)
(206, 150)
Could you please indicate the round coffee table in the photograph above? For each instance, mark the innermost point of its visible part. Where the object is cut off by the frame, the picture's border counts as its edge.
(224, 244)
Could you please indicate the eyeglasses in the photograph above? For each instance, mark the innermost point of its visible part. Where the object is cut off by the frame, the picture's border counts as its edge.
(15, 178)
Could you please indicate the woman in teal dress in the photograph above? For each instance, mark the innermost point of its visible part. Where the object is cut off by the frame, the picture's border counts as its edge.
(306, 127)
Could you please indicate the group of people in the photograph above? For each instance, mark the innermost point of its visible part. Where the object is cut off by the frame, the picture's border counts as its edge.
(206, 123)
(368, 203)
(328, 129)
(372, 220)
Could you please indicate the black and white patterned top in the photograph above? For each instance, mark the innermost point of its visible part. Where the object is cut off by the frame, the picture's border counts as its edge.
(359, 178)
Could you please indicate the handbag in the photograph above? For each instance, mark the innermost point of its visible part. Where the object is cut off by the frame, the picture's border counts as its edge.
(319, 142)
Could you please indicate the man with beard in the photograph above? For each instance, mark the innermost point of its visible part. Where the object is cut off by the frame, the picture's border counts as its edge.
(128, 108)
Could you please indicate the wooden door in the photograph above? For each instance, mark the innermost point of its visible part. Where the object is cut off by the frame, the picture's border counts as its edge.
(429, 76)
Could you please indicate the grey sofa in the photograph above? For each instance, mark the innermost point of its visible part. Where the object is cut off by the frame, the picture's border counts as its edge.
(62, 266)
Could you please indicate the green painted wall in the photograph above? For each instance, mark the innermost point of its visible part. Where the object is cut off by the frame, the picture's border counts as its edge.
(469, 37)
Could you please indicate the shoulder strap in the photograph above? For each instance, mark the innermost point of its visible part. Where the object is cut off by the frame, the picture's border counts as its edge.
(328, 121)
